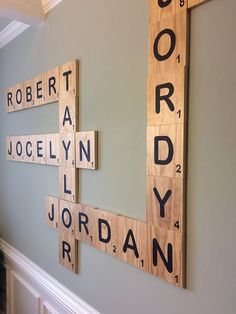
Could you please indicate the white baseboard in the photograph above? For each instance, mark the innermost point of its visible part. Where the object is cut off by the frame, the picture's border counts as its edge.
(50, 286)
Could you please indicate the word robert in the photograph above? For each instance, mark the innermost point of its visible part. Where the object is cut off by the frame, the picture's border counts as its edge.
(44, 88)
(65, 149)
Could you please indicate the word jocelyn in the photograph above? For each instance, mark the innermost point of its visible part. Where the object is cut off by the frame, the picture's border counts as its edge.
(69, 149)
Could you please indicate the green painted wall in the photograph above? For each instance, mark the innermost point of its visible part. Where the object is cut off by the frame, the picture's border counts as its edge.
(110, 39)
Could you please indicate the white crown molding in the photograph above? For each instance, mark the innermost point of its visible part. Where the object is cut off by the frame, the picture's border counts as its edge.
(48, 5)
(11, 31)
(15, 28)
(64, 297)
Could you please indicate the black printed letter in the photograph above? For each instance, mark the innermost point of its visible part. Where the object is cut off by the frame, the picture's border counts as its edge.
(169, 262)
(67, 212)
(51, 217)
(28, 93)
(66, 248)
(9, 99)
(67, 116)
(162, 201)
(166, 97)
(169, 158)
(170, 33)
(100, 227)
(19, 96)
(132, 246)
(51, 85)
(65, 187)
(83, 222)
(66, 74)
(164, 4)
(83, 150)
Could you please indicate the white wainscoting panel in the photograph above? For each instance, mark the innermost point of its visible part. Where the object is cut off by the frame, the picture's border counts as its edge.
(30, 290)
(23, 297)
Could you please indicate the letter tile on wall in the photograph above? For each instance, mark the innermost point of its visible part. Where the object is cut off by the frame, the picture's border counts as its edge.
(69, 79)
(67, 149)
(18, 147)
(19, 96)
(52, 211)
(86, 150)
(68, 251)
(167, 255)
(9, 148)
(67, 217)
(68, 184)
(28, 151)
(39, 148)
(168, 40)
(165, 202)
(29, 91)
(165, 150)
(52, 149)
(132, 242)
(105, 231)
(68, 113)
(167, 98)
(84, 223)
(10, 100)
(51, 85)
(39, 90)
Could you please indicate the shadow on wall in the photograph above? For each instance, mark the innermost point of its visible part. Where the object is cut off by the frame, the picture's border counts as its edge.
(2, 285)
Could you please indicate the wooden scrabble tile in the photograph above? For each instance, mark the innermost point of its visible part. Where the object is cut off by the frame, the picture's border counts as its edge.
(10, 100)
(105, 231)
(132, 242)
(69, 78)
(67, 217)
(18, 148)
(29, 91)
(52, 211)
(39, 148)
(194, 3)
(168, 43)
(167, 97)
(52, 149)
(85, 223)
(67, 149)
(160, 9)
(68, 184)
(23, 143)
(68, 113)
(165, 203)
(29, 150)
(9, 148)
(39, 92)
(167, 253)
(86, 150)
(51, 85)
(13, 140)
(18, 94)
(68, 252)
(165, 151)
